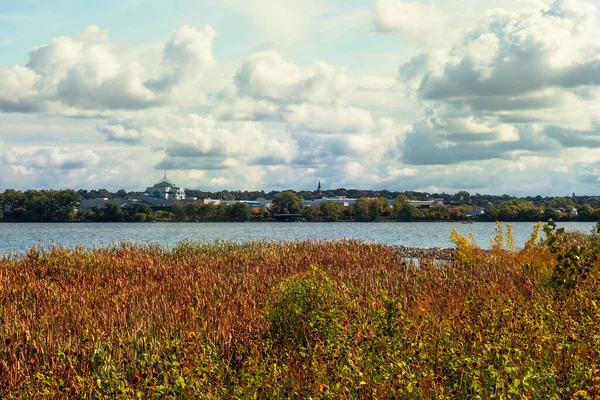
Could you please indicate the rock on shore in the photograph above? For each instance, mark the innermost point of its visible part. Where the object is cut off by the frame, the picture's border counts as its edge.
(434, 253)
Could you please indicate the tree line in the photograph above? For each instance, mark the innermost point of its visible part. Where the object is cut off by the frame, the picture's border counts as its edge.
(63, 205)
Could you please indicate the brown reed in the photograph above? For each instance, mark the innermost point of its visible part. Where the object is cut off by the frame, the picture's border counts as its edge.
(145, 321)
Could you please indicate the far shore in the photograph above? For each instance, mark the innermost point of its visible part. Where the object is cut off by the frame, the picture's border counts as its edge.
(259, 221)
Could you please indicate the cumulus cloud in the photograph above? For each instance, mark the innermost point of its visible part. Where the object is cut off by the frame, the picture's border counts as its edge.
(498, 101)
(245, 108)
(427, 24)
(18, 91)
(266, 75)
(334, 119)
(195, 142)
(414, 18)
(120, 132)
(58, 159)
(90, 73)
(7, 156)
(44, 159)
(50, 168)
(436, 25)
(522, 82)
(186, 58)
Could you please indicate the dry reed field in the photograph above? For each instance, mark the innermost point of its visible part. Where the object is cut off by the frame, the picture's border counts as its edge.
(306, 319)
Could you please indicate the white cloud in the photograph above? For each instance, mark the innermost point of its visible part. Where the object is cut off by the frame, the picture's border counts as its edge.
(503, 100)
(427, 24)
(45, 167)
(120, 133)
(245, 108)
(335, 119)
(266, 75)
(410, 17)
(195, 142)
(18, 90)
(90, 73)
(517, 71)
(58, 159)
(187, 56)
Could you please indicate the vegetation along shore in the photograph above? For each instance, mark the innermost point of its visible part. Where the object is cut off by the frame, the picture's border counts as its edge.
(319, 206)
(304, 319)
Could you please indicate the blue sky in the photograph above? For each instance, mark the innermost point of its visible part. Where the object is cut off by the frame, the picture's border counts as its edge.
(492, 96)
(139, 22)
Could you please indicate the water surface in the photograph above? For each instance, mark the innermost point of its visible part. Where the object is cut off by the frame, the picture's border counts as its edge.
(21, 236)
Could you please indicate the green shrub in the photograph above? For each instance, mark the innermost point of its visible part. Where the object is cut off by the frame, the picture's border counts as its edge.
(305, 309)
(575, 259)
(139, 217)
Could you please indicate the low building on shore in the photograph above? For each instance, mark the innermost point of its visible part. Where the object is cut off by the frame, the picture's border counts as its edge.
(427, 203)
(163, 195)
(101, 203)
(343, 200)
(476, 212)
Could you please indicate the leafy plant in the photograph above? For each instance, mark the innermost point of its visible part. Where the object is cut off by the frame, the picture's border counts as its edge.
(304, 309)
(574, 261)
(534, 237)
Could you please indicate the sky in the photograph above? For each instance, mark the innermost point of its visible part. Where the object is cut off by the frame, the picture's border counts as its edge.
(488, 96)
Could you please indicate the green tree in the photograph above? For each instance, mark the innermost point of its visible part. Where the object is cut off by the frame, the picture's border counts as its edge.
(12, 199)
(464, 195)
(438, 213)
(103, 193)
(67, 201)
(562, 202)
(238, 212)
(403, 210)
(378, 208)
(113, 213)
(311, 213)
(585, 213)
(192, 210)
(164, 215)
(220, 212)
(287, 202)
(140, 212)
(205, 212)
(179, 212)
(331, 211)
(361, 209)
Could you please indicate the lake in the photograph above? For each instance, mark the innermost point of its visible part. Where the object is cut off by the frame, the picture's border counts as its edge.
(21, 236)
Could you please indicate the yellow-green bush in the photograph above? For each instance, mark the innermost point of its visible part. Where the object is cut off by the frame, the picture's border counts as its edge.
(305, 309)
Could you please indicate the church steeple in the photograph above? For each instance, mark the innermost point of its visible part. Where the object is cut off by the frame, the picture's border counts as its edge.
(319, 186)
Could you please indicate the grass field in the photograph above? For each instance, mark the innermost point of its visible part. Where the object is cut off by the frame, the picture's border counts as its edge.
(304, 319)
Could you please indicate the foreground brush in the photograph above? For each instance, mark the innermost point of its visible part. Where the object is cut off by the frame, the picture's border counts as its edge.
(296, 320)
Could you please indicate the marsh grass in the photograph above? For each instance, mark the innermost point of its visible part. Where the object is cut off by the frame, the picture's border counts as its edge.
(319, 319)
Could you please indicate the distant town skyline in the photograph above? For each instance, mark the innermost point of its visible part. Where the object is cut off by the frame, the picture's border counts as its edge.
(489, 96)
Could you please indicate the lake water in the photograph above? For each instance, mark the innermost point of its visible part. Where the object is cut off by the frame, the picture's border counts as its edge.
(21, 236)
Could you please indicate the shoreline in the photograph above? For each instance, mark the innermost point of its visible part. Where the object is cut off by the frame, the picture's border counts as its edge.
(408, 252)
(279, 222)
(429, 253)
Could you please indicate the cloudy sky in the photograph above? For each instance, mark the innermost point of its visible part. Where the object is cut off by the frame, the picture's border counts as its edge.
(488, 96)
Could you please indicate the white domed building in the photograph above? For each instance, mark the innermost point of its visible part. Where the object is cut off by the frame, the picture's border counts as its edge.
(166, 189)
